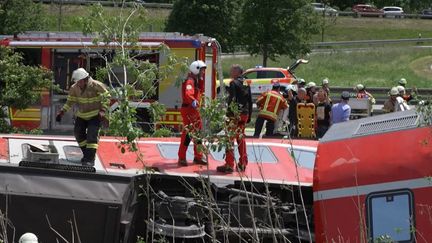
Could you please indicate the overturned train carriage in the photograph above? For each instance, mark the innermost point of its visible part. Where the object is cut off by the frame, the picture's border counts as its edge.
(56, 198)
(372, 180)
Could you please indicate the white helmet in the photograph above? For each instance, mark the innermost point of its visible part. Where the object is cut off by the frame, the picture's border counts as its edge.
(28, 238)
(196, 66)
(402, 81)
(311, 84)
(325, 81)
(359, 87)
(394, 91)
(401, 89)
(79, 74)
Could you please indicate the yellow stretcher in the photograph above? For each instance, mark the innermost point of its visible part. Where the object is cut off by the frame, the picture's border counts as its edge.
(306, 120)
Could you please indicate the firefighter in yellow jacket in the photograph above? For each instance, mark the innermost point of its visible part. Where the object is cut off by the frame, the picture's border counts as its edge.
(269, 103)
(87, 94)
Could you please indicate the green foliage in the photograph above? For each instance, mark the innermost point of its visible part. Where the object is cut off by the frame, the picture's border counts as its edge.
(219, 128)
(134, 78)
(20, 84)
(424, 109)
(217, 19)
(273, 28)
(162, 133)
(17, 16)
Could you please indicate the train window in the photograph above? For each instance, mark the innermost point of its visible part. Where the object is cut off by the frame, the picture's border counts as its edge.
(169, 151)
(256, 154)
(304, 158)
(390, 216)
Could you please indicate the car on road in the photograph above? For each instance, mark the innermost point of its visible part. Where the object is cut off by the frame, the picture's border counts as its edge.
(393, 12)
(426, 13)
(367, 10)
(326, 9)
(261, 79)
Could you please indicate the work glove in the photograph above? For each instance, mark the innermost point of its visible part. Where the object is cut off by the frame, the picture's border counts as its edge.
(101, 114)
(194, 104)
(59, 116)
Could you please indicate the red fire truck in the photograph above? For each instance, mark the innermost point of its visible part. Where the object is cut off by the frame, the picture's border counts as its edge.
(64, 52)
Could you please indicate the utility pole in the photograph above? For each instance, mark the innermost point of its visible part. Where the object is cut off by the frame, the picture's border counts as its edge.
(60, 17)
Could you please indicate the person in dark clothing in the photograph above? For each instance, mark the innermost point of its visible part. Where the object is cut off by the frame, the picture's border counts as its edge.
(323, 114)
(239, 93)
(293, 100)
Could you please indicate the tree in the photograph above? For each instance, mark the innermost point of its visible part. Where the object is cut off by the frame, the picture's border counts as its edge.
(216, 18)
(17, 16)
(277, 27)
(138, 78)
(325, 20)
(20, 84)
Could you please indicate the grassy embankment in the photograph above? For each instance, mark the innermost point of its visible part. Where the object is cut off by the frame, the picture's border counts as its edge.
(378, 67)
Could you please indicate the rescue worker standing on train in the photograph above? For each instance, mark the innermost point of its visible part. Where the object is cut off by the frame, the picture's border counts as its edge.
(192, 89)
(269, 103)
(239, 94)
(88, 94)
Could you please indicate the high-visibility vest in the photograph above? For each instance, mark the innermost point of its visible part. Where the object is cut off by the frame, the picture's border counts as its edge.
(89, 101)
(271, 102)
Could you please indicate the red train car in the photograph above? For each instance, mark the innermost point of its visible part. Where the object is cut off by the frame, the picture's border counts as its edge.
(372, 181)
(110, 204)
(270, 160)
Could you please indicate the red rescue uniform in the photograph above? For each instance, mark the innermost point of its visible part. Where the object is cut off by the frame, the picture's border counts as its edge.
(192, 90)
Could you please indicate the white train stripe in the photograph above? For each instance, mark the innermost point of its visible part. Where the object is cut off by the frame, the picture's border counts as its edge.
(284, 143)
(366, 189)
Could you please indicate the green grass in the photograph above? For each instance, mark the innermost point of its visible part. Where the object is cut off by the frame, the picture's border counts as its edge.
(342, 29)
(380, 67)
(349, 28)
(70, 13)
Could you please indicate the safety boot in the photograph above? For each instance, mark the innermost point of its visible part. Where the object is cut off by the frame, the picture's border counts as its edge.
(225, 169)
(182, 162)
(200, 161)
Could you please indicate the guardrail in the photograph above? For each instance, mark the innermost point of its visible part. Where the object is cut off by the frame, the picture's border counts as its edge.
(380, 93)
(371, 42)
(106, 3)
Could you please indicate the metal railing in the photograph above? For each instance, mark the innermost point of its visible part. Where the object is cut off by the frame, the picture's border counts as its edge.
(106, 3)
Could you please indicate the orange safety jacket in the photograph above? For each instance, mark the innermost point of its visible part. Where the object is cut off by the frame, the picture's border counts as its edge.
(270, 103)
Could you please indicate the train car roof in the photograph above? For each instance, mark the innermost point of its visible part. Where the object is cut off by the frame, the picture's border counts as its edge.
(372, 125)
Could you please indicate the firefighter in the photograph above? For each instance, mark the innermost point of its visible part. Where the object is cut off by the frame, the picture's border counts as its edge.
(406, 96)
(269, 103)
(311, 89)
(87, 94)
(395, 102)
(192, 89)
(363, 94)
(301, 83)
(240, 94)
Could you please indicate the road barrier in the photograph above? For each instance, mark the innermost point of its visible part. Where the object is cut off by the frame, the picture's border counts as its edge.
(106, 3)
